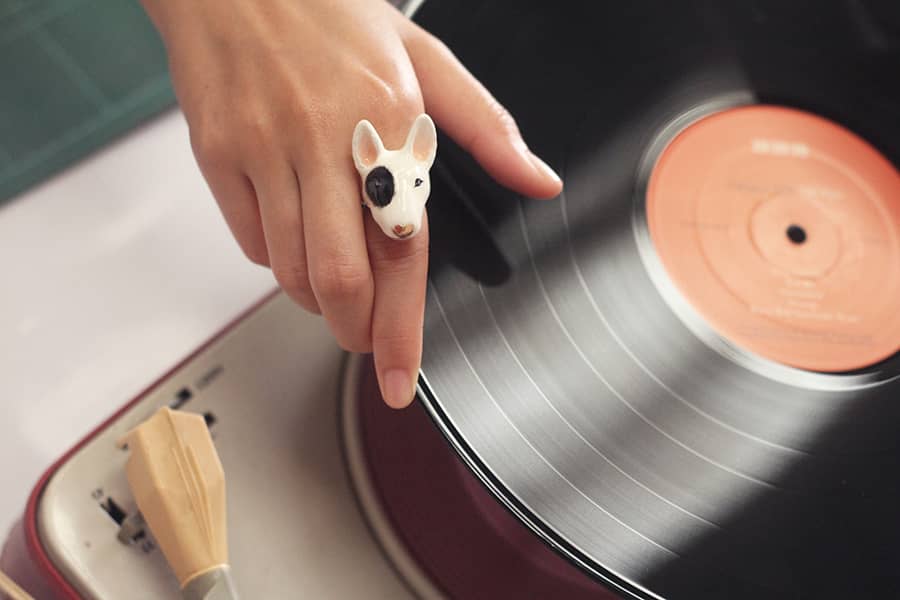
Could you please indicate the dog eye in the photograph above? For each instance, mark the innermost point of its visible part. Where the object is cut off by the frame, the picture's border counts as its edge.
(418, 182)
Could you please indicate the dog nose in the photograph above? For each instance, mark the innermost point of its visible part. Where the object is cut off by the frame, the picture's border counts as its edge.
(403, 231)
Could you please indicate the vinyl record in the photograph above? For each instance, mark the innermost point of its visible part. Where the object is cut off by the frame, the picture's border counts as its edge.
(683, 373)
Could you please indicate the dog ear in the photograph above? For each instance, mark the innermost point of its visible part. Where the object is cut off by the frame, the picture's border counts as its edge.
(421, 143)
(367, 146)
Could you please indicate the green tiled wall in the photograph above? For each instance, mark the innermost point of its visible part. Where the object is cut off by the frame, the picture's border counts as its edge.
(73, 75)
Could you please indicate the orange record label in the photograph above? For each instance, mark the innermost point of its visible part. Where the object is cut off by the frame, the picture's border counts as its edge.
(782, 229)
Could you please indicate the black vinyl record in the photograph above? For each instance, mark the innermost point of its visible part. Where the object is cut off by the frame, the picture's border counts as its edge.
(659, 457)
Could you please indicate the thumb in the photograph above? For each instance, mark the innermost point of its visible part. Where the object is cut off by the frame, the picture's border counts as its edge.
(469, 114)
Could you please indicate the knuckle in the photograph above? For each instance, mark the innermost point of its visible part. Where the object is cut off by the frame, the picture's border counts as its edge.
(319, 120)
(294, 280)
(502, 118)
(397, 339)
(417, 39)
(397, 258)
(256, 255)
(316, 126)
(211, 146)
(437, 46)
(389, 91)
(392, 95)
(500, 123)
(257, 128)
(335, 279)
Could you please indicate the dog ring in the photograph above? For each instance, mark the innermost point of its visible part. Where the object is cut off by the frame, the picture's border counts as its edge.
(395, 183)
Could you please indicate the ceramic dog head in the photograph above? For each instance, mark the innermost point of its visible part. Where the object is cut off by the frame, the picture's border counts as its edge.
(395, 183)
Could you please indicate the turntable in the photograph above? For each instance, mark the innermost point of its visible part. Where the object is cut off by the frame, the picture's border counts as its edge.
(680, 379)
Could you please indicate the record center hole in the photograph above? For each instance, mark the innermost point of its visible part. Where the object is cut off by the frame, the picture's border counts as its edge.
(796, 234)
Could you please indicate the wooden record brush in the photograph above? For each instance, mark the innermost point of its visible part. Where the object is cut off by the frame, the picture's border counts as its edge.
(179, 486)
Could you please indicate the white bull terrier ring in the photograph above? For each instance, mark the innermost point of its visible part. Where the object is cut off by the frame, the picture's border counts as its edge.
(396, 183)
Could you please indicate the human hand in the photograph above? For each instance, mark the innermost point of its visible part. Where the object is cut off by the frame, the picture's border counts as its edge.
(272, 91)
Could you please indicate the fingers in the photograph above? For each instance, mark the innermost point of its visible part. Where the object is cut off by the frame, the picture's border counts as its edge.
(400, 271)
(340, 275)
(475, 120)
(282, 222)
(237, 201)
(340, 272)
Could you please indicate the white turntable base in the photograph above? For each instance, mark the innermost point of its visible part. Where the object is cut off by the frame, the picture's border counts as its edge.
(295, 529)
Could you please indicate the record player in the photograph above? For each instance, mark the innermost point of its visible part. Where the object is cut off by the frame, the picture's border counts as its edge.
(680, 379)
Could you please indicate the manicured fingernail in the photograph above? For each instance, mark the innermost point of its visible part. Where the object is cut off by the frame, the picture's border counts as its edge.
(398, 389)
(543, 168)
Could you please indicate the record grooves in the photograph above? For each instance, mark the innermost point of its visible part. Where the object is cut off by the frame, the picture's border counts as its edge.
(557, 543)
(574, 355)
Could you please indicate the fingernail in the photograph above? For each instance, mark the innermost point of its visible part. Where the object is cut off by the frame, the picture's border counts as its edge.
(398, 390)
(543, 168)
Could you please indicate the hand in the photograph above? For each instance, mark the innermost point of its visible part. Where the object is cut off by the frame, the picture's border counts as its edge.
(272, 91)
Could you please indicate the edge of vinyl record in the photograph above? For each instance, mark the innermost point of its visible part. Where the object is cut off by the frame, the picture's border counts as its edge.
(616, 582)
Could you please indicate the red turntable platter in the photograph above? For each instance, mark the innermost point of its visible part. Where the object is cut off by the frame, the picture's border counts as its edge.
(451, 531)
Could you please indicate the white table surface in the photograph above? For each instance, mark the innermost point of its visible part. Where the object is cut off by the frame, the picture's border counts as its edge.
(112, 272)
